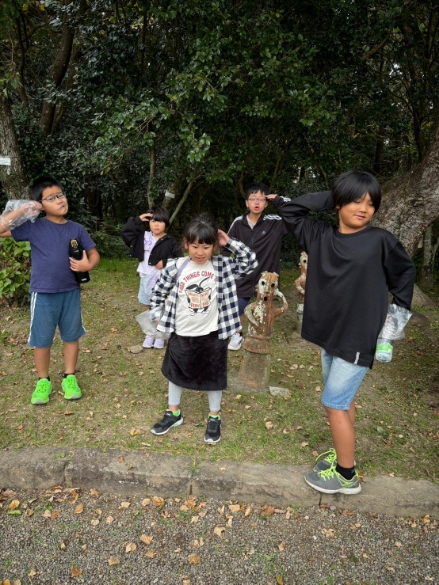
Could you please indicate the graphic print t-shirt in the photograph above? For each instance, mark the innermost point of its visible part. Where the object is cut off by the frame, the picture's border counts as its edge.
(197, 304)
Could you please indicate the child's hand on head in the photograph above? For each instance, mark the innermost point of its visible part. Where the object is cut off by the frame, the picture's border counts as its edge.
(159, 265)
(31, 208)
(145, 216)
(271, 197)
(223, 238)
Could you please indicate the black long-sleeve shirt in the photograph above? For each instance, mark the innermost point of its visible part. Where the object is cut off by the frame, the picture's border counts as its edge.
(348, 280)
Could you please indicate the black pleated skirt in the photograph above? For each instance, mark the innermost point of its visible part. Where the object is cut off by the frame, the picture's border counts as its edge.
(196, 363)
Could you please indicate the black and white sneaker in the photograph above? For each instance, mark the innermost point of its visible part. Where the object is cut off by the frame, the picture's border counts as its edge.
(213, 430)
(168, 422)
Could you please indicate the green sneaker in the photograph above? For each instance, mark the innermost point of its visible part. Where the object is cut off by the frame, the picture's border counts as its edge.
(331, 482)
(42, 392)
(71, 388)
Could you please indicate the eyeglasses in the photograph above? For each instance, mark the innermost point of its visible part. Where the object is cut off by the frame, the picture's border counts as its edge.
(257, 200)
(52, 198)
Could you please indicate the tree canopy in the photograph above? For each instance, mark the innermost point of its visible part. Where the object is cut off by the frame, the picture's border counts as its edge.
(125, 101)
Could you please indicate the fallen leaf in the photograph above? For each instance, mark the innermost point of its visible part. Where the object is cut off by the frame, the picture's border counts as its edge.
(282, 546)
(234, 507)
(304, 444)
(146, 502)
(6, 494)
(158, 501)
(14, 504)
(279, 580)
(47, 514)
(109, 520)
(131, 547)
(68, 413)
(56, 514)
(146, 539)
(194, 519)
(194, 559)
(94, 522)
(219, 531)
(150, 554)
(79, 509)
(76, 572)
(134, 432)
(121, 459)
(62, 546)
(248, 511)
(269, 425)
(32, 573)
(266, 510)
(113, 561)
(398, 544)
(329, 533)
(124, 505)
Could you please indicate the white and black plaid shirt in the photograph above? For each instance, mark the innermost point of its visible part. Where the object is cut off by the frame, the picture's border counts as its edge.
(227, 270)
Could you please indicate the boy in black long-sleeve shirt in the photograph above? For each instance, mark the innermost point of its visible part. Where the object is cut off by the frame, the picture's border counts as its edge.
(351, 270)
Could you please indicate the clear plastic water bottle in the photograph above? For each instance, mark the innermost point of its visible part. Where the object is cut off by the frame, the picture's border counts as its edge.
(384, 350)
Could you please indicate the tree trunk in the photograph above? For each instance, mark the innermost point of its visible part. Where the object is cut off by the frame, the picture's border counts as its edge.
(56, 76)
(12, 178)
(411, 203)
(426, 276)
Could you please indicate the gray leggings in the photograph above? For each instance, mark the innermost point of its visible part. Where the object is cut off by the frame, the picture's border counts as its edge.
(214, 397)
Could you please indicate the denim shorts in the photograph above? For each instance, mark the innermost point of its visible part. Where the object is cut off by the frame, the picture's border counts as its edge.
(51, 310)
(341, 379)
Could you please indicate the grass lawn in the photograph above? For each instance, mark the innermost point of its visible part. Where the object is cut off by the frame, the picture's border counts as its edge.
(124, 394)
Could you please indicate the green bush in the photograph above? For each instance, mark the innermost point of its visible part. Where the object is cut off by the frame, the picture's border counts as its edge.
(14, 271)
(110, 246)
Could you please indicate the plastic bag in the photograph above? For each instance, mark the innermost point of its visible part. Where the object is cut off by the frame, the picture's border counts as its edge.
(148, 327)
(397, 318)
(31, 213)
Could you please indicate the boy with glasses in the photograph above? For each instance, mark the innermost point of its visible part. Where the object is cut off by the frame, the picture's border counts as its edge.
(55, 295)
(261, 233)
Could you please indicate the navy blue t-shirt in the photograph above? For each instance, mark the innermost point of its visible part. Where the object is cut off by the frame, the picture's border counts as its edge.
(49, 244)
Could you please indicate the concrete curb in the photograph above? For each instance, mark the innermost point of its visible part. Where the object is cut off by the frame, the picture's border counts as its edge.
(132, 472)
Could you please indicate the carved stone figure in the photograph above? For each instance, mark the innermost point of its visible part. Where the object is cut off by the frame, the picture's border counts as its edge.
(255, 366)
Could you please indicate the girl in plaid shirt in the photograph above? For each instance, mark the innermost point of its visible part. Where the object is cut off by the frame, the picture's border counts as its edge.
(198, 295)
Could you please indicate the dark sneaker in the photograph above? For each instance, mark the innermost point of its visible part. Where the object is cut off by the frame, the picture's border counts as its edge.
(70, 388)
(168, 422)
(42, 392)
(331, 482)
(213, 430)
